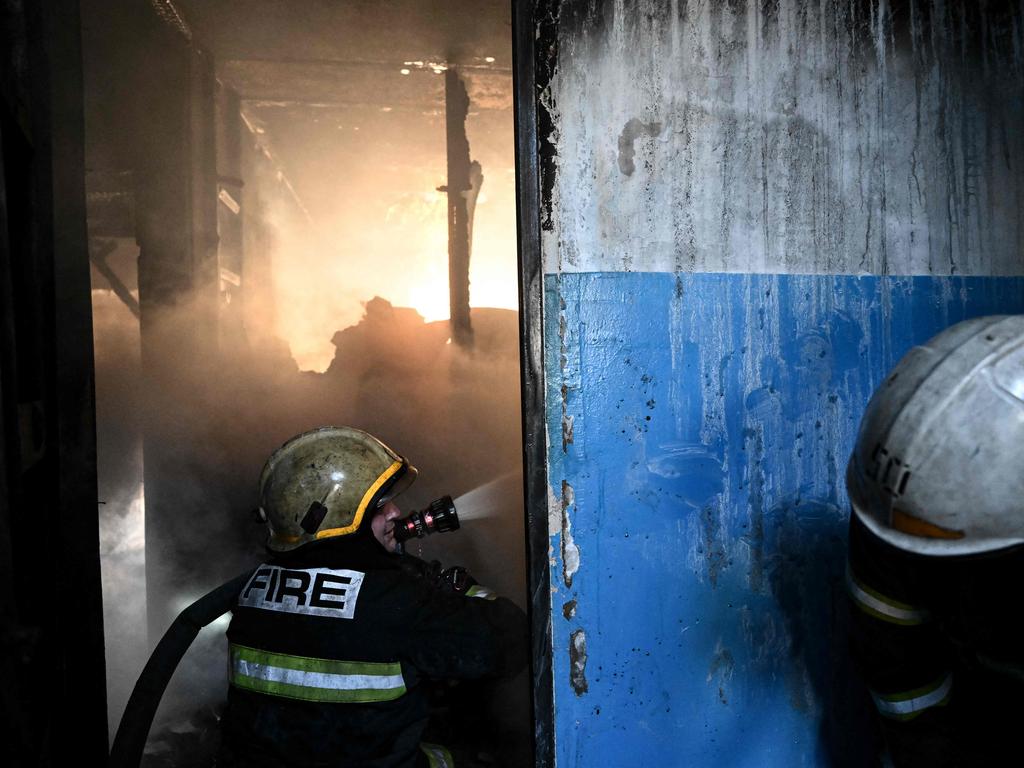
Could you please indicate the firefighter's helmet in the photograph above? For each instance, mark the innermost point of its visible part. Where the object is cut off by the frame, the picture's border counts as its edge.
(323, 483)
(938, 468)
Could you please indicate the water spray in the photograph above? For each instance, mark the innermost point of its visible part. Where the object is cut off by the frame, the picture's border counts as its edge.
(439, 517)
(489, 499)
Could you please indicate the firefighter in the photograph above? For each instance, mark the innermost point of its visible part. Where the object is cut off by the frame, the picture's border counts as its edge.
(333, 639)
(936, 552)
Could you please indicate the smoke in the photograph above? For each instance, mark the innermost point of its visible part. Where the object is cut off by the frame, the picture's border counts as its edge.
(123, 568)
(121, 521)
(213, 405)
(339, 318)
(453, 413)
(378, 223)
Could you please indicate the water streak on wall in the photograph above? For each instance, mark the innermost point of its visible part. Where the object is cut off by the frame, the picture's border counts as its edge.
(821, 137)
(750, 211)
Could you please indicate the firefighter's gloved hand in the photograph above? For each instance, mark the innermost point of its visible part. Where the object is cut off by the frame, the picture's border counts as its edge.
(429, 570)
(457, 579)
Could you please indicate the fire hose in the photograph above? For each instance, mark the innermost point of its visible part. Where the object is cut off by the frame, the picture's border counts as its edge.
(130, 741)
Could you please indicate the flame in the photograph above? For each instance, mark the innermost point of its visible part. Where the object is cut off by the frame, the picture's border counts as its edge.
(428, 295)
(324, 277)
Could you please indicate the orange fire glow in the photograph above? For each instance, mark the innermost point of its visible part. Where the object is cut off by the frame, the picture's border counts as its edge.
(323, 281)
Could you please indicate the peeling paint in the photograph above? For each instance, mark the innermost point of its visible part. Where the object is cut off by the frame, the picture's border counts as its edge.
(578, 662)
(563, 362)
(546, 33)
(569, 610)
(567, 422)
(554, 517)
(570, 552)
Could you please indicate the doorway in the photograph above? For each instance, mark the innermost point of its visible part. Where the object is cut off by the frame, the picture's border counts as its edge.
(297, 219)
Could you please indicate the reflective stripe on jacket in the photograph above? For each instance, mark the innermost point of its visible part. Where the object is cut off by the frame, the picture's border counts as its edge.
(329, 649)
(924, 632)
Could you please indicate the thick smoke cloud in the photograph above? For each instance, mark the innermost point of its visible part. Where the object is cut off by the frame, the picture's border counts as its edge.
(119, 458)
(339, 205)
(218, 414)
(377, 224)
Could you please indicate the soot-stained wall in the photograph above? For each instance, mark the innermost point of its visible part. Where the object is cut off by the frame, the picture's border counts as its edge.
(750, 211)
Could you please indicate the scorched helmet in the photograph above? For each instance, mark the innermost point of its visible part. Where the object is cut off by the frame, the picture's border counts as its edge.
(322, 483)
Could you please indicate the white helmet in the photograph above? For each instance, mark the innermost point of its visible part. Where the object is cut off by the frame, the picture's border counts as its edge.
(938, 468)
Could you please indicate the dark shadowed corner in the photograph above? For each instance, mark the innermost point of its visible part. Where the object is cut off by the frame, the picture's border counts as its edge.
(806, 575)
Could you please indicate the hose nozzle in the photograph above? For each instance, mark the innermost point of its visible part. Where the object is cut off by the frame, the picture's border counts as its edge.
(439, 517)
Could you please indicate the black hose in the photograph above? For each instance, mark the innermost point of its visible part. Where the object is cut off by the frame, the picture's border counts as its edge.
(130, 741)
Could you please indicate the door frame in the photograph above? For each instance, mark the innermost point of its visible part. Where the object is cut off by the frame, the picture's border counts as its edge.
(531, 339)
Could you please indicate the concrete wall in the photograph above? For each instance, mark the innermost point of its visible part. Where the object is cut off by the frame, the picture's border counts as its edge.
(750, 211)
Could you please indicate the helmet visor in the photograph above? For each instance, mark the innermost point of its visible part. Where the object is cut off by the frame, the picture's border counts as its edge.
(397, 485)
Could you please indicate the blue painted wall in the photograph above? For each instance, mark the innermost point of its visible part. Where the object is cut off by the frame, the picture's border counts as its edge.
(699, 428)
(750, 210)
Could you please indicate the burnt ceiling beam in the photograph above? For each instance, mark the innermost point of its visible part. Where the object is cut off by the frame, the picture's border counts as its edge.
(273, 102)
(362, 83)
(421, 62)
(171, 15)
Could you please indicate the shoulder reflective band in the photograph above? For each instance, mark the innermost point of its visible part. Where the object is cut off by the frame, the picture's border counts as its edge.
(909, 704)
(881, 606)
(485, 592)
(308, 679)
(438, 756)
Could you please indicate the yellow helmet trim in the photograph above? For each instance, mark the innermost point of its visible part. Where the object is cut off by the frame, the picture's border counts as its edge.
(364, 502)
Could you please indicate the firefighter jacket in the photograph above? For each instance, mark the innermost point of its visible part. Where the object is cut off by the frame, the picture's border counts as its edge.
(940, 643)
(330, 646)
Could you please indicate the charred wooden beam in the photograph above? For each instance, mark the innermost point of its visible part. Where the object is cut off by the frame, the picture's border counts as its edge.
(459, 184)
(98, 252)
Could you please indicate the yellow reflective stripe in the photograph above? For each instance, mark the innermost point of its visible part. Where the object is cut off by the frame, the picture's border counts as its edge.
(915, 526)
(483, 592)
(438, 756)
(906, 705)
(364, 502)
(882, 606)
(312, 679)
